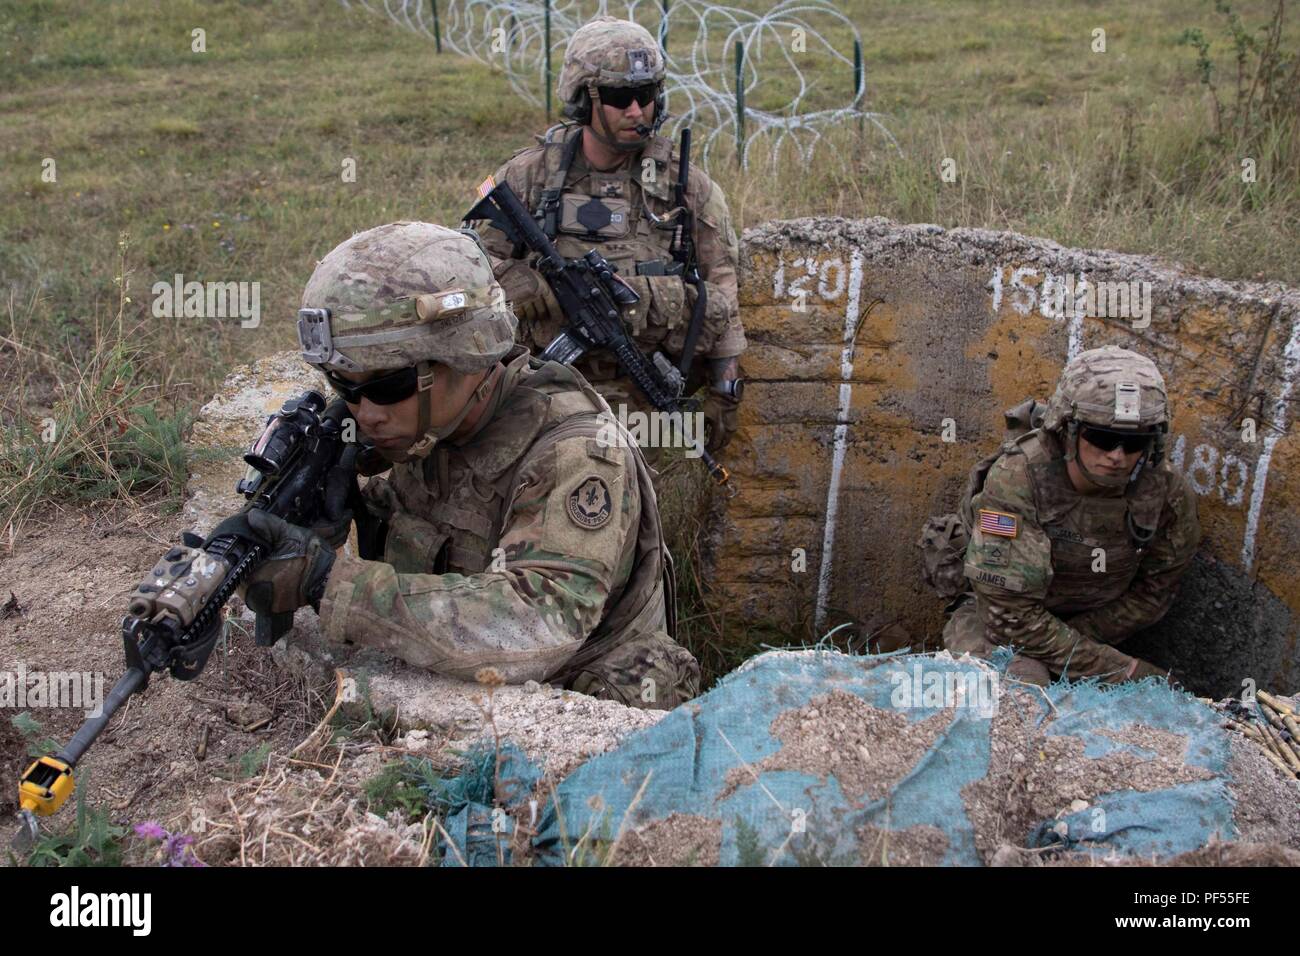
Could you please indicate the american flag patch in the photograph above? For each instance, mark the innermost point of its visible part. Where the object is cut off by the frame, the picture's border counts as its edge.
(486, 186)
(999, 522)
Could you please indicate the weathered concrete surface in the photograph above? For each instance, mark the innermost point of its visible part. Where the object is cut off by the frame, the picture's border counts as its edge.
(557, 729)
(866, 335)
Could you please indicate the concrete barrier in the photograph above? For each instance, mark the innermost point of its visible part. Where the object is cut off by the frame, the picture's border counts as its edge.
(881, 358)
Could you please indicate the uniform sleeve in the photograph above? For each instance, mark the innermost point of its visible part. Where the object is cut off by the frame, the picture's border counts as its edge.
(568, 544)
(1010, 573)
(1154, 588)
(719, 258)
(524, 287)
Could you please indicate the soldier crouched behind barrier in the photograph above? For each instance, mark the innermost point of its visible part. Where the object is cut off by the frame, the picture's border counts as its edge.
(1075, 535)
(511, 532)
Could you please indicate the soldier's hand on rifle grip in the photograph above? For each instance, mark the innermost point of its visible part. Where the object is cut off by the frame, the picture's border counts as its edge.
(341, 491)
(720, 420)
(296, 567)
(1140, 669)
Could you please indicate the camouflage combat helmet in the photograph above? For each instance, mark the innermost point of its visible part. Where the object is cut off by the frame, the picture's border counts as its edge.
(1115, 389)
(612, 53)
(404, 295)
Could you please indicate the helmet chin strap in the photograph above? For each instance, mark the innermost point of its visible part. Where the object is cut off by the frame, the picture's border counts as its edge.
(429, 436)
(608, 137)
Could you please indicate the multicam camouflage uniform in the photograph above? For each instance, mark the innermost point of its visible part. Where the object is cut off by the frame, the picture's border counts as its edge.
(615, 212)
(533, 544)
(1034, 541)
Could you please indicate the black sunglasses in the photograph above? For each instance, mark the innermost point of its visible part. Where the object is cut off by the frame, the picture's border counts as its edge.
(621, 97)
(385, 390)
(1108, 440)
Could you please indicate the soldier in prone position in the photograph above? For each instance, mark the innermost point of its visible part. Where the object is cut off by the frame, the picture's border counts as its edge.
(1079, 530)
(511, 532)
(608, 182)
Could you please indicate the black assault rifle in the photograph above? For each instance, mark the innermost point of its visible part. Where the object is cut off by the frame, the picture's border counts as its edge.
(175, 625)
(592, 298)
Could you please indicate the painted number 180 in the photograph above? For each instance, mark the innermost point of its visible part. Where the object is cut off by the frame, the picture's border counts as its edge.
(1210, 470)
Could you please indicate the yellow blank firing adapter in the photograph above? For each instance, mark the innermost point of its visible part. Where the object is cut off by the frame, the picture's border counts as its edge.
(45, 786)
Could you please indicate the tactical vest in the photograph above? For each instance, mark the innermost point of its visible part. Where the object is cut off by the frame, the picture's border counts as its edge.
(1078, 525)
(609, 212)
(447, 512)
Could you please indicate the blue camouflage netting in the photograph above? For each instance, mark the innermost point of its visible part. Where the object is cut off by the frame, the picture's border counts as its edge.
(479, 830)
(703, 760)
(1161, 822)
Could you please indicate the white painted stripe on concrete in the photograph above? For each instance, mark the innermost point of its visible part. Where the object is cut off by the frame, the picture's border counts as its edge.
(841, 437)
(1075, 345)
(1290, 366)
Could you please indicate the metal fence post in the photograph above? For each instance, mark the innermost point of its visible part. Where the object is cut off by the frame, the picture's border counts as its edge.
(547, 42)
(740, 103)
(859, 83)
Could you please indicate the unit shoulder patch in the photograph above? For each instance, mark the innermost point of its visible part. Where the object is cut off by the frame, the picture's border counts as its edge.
(590, 505)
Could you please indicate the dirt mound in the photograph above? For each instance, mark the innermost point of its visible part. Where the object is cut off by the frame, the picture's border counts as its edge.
(680, 839)
(1034, 776)
(868, 749)
(1239, 854)
(13, 761)
(1217, 854)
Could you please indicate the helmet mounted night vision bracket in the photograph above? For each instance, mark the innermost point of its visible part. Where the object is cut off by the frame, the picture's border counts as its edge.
(1128, 403)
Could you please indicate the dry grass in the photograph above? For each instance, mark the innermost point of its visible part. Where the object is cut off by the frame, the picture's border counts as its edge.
(306, 809)
(301, 813)
(102, 435)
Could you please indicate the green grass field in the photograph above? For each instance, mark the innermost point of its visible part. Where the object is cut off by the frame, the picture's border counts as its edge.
(226, 165)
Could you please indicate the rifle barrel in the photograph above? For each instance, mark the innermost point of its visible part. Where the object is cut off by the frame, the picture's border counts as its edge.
(126, 685)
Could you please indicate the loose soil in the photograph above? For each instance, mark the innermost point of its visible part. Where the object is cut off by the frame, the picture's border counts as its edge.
(71, 574)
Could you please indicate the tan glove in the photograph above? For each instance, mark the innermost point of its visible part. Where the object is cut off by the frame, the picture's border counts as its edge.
(721, 416)
(526, 290)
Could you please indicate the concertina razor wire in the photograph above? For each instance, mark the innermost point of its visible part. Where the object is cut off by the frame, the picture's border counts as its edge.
(511, 35)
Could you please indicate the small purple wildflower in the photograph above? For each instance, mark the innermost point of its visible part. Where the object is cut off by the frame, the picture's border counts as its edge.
(150, 830)
(175, 850)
